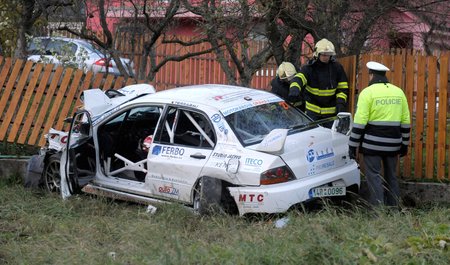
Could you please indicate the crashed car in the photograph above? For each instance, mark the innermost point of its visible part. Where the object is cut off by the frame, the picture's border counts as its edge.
(210, 147)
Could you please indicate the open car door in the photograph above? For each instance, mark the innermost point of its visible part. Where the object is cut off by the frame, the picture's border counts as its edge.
(78, 162)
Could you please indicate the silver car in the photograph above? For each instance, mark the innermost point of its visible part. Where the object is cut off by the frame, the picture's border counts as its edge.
(75, 53)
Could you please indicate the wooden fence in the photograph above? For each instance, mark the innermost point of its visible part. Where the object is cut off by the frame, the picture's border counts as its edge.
(36, 97)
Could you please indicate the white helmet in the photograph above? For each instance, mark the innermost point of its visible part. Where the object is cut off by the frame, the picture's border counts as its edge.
(324, 47)
(286, 70)
(377, 66)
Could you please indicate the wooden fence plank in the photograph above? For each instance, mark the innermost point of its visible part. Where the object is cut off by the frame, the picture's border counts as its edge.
(108, 82)
(443, 118)
(97, 80)
(24, 104)
(33, 112)
(420, 95)
(119, 82)
(409, 92)
(9, 86)
(55, 108)
(7, 93)
(45, 106)
(13, 103)
(5, 71)
(431, 110)
(69, 101)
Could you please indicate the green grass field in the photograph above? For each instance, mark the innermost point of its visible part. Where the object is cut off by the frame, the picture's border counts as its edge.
(40, 228)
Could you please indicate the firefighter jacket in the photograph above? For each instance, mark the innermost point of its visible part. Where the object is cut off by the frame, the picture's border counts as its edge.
(322, 86)
(382, 119)
(280, 88)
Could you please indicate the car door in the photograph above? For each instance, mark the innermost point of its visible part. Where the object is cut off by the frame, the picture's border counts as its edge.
(79, 159)
(181, 147)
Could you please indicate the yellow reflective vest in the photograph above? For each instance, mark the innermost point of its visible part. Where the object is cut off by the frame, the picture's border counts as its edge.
(382, 120)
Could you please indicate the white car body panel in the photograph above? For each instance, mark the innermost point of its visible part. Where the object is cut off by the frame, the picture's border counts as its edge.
(316, 156)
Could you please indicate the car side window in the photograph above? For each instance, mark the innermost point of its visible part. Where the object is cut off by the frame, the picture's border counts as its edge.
(188, 128)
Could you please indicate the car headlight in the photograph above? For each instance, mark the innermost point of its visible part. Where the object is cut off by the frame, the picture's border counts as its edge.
(276, 175)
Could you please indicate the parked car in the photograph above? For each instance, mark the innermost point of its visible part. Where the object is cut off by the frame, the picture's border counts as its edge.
(211, 147)
(76, 53)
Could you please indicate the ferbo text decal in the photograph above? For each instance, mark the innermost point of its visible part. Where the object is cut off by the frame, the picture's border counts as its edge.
(168, 151)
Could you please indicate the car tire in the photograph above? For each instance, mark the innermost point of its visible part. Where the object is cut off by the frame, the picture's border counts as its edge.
(207, 196)
(51, 177)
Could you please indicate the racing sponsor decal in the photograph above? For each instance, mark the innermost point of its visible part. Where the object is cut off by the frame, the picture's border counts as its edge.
(253, 162)
(185, 104)
(244, 106)
(217, 119)
(320, 158)
(167, 179)
(168, 151)
(169, 190)
(251, 200)
(319, 154)
(223, 155)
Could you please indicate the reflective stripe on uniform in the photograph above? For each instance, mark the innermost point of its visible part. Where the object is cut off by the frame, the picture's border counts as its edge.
(342, 85)
(382, 139)
(319, 110)
(341, 95)
(381, 147)
(321, 92)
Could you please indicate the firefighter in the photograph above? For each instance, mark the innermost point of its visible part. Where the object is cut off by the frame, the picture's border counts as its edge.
(322, 83)
(381, 132)
(280, 84)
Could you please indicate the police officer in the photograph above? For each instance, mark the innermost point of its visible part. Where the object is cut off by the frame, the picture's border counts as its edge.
(280, 84)
(381, 132)
(322, 83)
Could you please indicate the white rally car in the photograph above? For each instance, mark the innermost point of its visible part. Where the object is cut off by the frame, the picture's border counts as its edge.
(211, 147)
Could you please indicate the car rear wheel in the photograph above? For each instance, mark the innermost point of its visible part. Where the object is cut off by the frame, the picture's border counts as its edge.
(207, 196)
(51, 175)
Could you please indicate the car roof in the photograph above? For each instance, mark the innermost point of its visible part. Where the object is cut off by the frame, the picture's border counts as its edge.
(224, 98)
(81, 41)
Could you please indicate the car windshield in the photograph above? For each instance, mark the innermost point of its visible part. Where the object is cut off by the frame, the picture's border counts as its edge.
(94, 48)
(253, 124)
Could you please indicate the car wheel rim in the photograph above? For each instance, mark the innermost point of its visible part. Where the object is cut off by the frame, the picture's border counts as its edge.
(52, 177)
(197, 196)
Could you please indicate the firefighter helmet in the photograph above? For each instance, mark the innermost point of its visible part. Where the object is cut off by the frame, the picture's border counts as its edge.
(324, 47)
(286, 70)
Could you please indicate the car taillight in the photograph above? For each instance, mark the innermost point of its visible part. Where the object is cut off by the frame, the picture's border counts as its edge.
(102, 62)
(276, 175)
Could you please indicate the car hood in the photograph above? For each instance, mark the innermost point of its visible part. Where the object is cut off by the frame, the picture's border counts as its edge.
(315, 151)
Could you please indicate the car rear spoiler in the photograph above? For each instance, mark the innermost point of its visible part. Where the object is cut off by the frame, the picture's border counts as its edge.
(273, 143)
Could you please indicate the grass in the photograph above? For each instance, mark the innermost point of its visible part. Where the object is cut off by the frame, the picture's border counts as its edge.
(40, 228)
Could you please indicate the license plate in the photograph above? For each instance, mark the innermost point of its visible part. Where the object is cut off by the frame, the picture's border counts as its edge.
(327, 191)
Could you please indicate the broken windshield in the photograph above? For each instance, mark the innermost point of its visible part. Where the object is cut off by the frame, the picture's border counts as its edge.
(253, 124)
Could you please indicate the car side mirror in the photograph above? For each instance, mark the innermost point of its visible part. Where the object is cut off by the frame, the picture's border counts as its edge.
(68, 120)
(343, 124)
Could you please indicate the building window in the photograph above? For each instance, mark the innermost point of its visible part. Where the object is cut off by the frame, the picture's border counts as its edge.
(401, 41)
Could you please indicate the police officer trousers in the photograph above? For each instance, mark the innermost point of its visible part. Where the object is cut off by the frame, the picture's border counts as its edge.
(383, 188)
